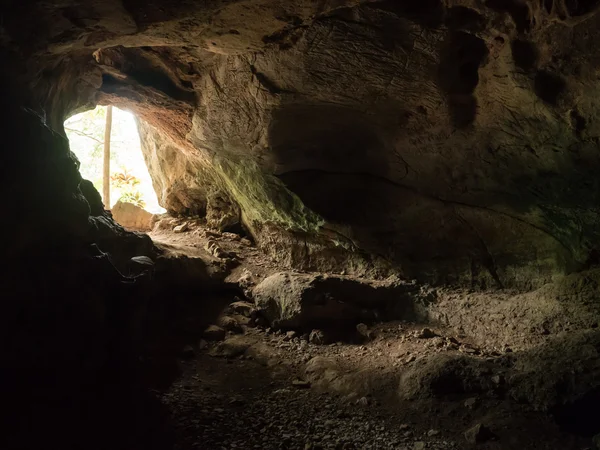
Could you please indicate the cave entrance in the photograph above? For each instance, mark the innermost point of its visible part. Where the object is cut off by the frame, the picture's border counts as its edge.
(129, 180)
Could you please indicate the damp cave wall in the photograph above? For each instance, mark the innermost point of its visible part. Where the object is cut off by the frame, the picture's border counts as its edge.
(449, 142)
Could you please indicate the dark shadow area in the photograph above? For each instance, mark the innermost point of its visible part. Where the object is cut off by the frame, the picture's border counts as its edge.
(549, 86)
(578, 122)
(463, 18)
(519, 11)
(580, 7)
(70, 375)
(326, 138)
(348, 198)
(146, 67)
(580, 417)
(458, 75)
(525, 54)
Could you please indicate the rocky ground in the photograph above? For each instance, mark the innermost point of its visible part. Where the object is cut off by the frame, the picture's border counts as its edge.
(253, 392)
(268, 390)
(433, 380)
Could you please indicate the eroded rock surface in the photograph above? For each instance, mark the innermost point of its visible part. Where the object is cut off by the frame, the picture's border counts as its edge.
(455, 140)
(132, 217)
(306, 301)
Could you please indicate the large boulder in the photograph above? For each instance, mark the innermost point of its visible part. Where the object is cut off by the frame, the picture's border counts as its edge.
(132, 216)
(307, 301)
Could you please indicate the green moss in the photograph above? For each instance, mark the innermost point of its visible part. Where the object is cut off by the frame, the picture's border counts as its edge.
(263, 197)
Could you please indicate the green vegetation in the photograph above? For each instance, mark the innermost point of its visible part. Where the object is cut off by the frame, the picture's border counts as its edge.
(127, 184)
(130, 180)
(264, 198)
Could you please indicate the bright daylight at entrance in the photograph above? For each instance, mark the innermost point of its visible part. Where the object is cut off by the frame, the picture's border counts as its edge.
(128, 176)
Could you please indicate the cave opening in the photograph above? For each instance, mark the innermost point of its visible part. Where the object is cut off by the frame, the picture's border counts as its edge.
(129, 180)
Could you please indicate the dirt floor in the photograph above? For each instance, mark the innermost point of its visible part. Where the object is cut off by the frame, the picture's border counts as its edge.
(407, 385)
(265, 390)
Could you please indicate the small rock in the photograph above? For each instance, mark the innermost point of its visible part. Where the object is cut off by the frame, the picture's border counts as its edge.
(230, 349)
(187, 352)
(471, 403)
(419, 445)
(477, 434)
(230, 324)
(281, 391)
(236, 402)
(426, 333)
(261, 322)
(181, 228)
(363, 401)
(363, 332)
(141, 262)
(215, 250)
(498, 380)
(202, 344)
(404, 427)
(468, 350)
(301, 384)
(214, 333)
(246, 279)
(243, 321)
(243, 308)
(432, 433)
(290, 335)
(317, 337)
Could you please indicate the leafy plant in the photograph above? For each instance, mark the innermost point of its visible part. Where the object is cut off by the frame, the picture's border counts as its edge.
(134, 197)
(124, 179)
(126, 182)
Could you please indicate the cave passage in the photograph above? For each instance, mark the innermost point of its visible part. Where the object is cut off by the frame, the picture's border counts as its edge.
(380, 225)
(130, 180)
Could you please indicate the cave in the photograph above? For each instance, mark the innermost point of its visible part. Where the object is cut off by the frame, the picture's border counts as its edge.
(375, 225)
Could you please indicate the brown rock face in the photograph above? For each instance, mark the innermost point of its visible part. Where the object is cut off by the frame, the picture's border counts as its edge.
(455, 141)
(132, 217)
(306, 301)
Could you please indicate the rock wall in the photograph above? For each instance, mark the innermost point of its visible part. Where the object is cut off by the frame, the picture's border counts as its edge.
(456, 141)
(435, 142)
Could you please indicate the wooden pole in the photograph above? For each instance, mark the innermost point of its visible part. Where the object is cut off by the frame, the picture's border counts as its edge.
(106, 167)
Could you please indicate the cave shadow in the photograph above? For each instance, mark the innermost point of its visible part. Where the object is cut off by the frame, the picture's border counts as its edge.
(88, 350)
(458, 75)
(316, 146)
(70, 377)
